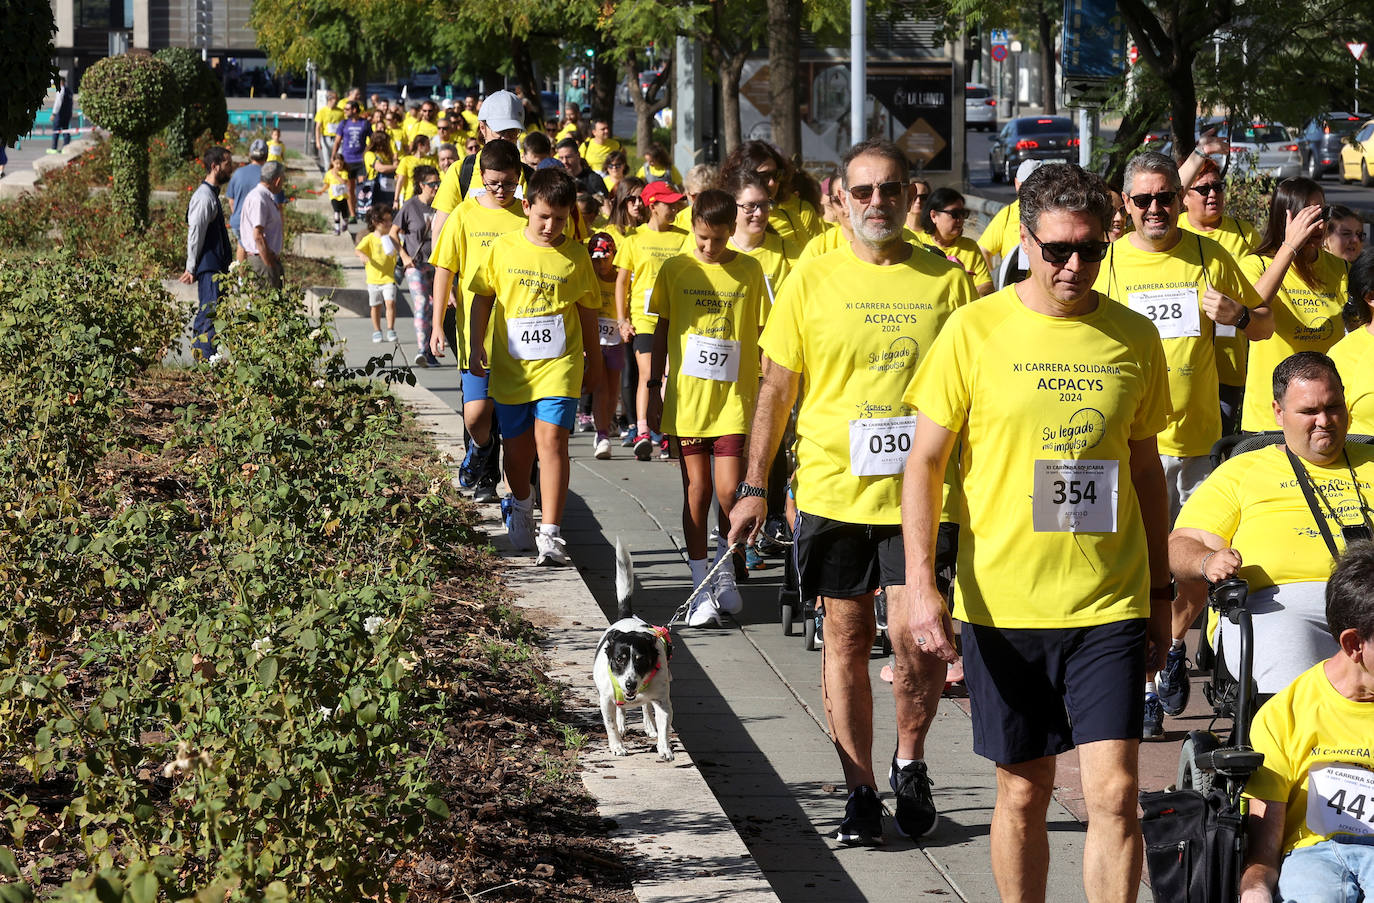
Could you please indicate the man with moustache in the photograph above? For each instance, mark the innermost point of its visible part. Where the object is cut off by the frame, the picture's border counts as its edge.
(1053, 394)
(846, 334)
(208, 252)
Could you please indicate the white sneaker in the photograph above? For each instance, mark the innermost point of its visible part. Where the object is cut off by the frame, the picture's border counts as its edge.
(553, 550)
(391, 335)
(704, 609)
(519, 523)
(723, 583)
(377, 335)
(603, 449)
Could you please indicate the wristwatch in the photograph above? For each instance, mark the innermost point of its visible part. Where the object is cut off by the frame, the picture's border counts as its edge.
(745, 491)
(1244, 320)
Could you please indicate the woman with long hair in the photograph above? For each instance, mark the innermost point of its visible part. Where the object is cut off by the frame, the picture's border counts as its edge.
(1302, 282)
(1354, 354)
(789, 215)
(942, 228)
(627, 208)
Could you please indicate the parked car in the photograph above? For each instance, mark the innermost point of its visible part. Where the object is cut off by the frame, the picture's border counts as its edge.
(1031, 138)
(1357, 156)
(980, 107)
(1159, 134)
(646, 78)
(1258, 150)
(1320, 142)
(387, 92)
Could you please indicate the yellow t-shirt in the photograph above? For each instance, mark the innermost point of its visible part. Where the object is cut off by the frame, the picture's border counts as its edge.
(328, 118)
(398, 141)
(713, 312)
(471, 119)
(1254, 503)
(649, 173)
(462, 248)
(683, 220)
(1237, 237)
(370, 161)
(1167, 287)
(536, 345)
(276, 152)
(595, 154)
(336, 184)
(380, 266)
(405, 172)
(607, 311)
(1308, 732)
(1305, 319)
(567, 131)
(776, 257)
(1354, 357)
(642, 253)
(1045, 408)
(855, 332)
(964, 252)
(795, 220)
(1003, 232)
(425, 127)
(824, 243)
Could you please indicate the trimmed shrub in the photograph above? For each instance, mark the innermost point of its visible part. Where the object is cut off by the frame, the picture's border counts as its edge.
(202, 102)
(131, 96)
(26, 30)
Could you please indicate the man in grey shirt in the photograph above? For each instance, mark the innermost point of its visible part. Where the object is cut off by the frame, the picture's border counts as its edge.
(412, 227)
(207, 247)
(244, 180)
(261, 225)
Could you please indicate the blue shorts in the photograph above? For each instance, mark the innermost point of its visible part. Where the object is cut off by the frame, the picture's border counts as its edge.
(1039, 692)
(515, 419)
(475, 387)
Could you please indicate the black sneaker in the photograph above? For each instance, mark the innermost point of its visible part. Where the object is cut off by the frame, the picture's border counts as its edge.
(916, 816)
(863, 818)
(1172, 683)
(1153, 728)
(485, 491)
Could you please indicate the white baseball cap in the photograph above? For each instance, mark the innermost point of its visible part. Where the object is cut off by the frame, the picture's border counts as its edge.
(502, 110)
(1026, 168)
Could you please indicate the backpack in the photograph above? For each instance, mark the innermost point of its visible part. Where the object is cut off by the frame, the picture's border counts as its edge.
(1194, 845)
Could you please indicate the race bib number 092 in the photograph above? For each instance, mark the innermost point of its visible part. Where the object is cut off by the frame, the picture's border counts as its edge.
(878, 446)
(535, 338)
(1075, 496)
(608, 330)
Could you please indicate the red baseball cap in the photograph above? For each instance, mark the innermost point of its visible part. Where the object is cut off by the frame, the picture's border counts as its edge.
(660, 191)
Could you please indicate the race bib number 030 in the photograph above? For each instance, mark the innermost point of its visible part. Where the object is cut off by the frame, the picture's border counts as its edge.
(709, 358)
(1340, 799)
(878, 446)
(1174, 311)
(608, 330)
(1075, 496)
(535, 338)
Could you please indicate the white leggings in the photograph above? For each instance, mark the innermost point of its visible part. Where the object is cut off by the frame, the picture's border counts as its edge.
(1290, 633)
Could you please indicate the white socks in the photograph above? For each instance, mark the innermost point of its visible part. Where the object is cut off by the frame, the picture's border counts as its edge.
(699, 568)
(547, 529)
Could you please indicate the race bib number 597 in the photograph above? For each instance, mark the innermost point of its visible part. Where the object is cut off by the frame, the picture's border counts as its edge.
(1075, 496)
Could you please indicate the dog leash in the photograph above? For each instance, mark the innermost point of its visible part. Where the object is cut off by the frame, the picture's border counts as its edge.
(680, 616)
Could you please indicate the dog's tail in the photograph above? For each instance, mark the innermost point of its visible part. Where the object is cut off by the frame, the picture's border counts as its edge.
(624, 580)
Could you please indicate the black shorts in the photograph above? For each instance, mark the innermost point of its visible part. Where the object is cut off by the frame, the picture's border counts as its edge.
(1042, 691)
(643, 344)
(841, 560)
(946, 554)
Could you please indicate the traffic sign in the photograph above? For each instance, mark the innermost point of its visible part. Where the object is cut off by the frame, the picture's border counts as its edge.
(999, 52)
(999, 37)
(1357, 49)
(1133, 54)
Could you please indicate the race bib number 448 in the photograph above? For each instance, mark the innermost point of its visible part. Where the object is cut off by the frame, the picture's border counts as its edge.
(535, 338)
(1075, 496)
(1340, 800)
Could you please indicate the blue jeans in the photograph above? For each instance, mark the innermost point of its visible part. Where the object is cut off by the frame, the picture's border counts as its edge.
(1340, 870)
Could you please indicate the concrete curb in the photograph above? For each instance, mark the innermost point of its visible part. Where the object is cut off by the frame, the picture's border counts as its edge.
(664, 811)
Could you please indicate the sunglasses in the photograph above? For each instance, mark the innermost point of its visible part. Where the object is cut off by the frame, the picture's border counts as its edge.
(1209, 188)
(886, 190)
(1060, 252)
(430, 184)
(1144, 201)
(954, 214)
(920, 195)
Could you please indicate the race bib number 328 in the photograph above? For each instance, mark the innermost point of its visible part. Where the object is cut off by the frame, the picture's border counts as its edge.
(1174, 311)
(1075, 496)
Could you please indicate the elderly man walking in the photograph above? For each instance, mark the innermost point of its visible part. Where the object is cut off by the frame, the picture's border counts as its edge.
(261, 225)
(207, 247)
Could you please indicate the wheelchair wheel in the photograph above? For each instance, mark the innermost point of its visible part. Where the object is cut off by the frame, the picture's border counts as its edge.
(1189, 776)
(809, 634)
(787, 614)
(885, 642)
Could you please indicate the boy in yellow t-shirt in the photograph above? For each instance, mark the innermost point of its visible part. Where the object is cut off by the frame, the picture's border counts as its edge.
(709, 303)
(377, 251)
(638, 258)
(459, 252)
(276, 151)
(539, 291)
(601, 247)
(336, 183)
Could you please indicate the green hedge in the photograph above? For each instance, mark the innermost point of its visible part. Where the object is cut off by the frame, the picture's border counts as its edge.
(203, 108)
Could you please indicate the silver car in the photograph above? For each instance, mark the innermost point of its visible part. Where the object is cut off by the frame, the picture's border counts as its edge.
(1259, 150)
(980, 107)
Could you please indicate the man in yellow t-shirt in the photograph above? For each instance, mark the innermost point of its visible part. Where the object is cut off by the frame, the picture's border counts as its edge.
(538, 290)
(1311, 819)
(845, 335)
(600, 145)
(1194, 293)
(1252, 518)
(459, 252)
(1053, 395)
(327, 119)
(501, 116)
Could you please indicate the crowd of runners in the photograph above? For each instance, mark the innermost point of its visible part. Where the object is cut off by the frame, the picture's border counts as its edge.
(1002, 432)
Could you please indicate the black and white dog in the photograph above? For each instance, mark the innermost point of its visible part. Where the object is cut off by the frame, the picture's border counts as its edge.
(631, 668)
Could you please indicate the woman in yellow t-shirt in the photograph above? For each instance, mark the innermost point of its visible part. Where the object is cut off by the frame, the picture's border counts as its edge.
(616, 167)
(1354, 354)
(405, 168)
(1302, 283)
(381, 164)
(942, 224)
(753, 236)
(627, 209)
(658, 167)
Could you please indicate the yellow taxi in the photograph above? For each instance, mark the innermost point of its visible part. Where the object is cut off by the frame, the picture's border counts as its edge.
(1357, 156)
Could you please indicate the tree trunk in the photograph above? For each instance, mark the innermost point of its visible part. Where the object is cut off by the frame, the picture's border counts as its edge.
(730, 69)
(646, 107)
(1183, 105)
(524, 77)
(1048, 59)
(604, 82)
(784, 53)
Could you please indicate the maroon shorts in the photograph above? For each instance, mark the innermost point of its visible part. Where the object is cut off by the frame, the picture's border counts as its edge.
(731, 446)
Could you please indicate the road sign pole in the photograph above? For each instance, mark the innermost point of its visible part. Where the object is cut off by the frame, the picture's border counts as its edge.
(1357, 49)
(858, 70)
(1085, 135)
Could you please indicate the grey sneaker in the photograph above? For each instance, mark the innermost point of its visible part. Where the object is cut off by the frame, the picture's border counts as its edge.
(519, 524)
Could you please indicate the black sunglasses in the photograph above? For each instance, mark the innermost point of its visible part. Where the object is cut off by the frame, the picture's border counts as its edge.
(1143, 201)
(886, 190)
(1209, 188)
(954, 214)
(1060, 252)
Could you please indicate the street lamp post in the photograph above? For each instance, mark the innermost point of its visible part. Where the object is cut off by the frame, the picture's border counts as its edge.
(858, 70)
(1015, 79)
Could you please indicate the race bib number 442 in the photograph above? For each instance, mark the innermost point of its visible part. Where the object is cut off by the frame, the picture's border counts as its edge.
(1075, 496)
(1174, 311)
(1340, 800)
(878, 446)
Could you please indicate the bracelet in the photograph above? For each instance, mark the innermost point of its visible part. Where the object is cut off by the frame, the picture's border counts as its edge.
(1290, 247)
(1202, 568)
(1197, 151)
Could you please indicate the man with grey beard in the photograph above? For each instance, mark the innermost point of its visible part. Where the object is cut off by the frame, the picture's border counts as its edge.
(846, 334)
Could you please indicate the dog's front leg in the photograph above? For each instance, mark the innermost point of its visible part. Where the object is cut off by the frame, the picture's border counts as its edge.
(613, 718)
(664, 712)
(649, 728)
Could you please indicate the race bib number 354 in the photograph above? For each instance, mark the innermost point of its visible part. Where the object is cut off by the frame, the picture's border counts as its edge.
(1075, 496)
(1340, 799)
(878, 446)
